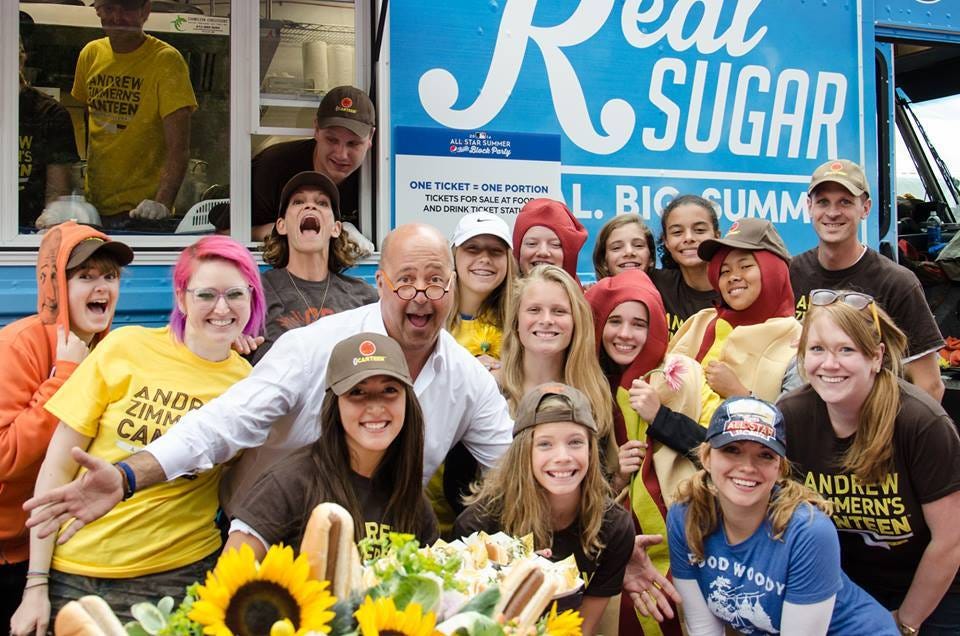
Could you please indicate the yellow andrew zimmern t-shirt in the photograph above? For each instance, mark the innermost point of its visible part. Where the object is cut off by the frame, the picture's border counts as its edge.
(130, 390)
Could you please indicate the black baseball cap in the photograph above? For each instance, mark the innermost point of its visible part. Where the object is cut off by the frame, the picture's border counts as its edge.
(310, 178)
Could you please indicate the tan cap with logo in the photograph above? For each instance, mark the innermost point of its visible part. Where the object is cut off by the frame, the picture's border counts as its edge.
(363, 356)
(747, 234)
(577, 411)
(843, 171)
(349, 107)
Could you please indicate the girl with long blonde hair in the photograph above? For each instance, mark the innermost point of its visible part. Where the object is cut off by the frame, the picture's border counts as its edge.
(752, 550)
(549, 483)
(549, 337)
(885, 453)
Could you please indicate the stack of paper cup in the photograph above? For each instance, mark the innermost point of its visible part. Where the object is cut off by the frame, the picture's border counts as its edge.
(315, 65)
(341, 65)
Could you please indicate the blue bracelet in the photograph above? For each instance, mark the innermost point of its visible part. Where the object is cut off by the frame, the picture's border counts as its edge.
(131, 479)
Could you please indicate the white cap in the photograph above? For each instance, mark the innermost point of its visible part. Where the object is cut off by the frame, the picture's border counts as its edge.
(481, 223)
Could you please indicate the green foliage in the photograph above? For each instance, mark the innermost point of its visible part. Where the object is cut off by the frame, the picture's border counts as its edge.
(162, 620)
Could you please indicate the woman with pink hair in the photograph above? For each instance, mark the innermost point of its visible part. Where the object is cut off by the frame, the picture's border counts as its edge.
(129, 391)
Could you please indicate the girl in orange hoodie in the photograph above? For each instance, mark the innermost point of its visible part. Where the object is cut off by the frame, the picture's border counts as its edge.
(78, 282)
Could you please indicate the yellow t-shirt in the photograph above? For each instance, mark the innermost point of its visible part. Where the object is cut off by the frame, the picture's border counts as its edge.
(127, 96)
(130, 390)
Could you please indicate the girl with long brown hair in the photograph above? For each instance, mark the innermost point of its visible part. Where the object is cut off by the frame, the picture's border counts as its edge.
(753, 550)
(885, 453)
(549, 483)
(368, 459)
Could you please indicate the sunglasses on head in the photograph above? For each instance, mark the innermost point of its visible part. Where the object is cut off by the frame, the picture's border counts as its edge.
(857, 300)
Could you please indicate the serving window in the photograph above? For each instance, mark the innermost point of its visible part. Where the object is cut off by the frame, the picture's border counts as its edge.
(94, 127)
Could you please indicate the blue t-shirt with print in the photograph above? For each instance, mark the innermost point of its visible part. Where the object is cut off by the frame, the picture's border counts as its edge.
(746, 585)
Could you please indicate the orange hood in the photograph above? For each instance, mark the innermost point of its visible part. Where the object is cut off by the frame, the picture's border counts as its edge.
(55, 248)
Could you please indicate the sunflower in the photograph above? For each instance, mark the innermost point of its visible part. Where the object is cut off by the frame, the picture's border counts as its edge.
(245, 599)
(484, 340)
(381, 618)
(566, 624)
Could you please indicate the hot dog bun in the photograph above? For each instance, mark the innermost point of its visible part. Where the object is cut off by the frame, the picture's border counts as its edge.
(90, 616)
(328, 544)
(525, 593)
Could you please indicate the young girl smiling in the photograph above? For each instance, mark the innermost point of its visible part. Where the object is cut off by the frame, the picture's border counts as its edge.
(549, 483)
(631, 337)
(683, 283)
(753, 550)
(550, 339)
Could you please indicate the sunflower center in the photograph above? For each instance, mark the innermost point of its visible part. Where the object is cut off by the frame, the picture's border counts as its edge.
(257, 605)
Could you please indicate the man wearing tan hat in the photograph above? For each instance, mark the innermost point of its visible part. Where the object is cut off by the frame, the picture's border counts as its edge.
(838, 200)
(342, 135)
(276, 409)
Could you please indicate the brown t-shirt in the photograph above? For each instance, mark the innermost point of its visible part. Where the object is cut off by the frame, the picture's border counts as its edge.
(680, 300)
(881, 526)
(602, 574)
(894, 287)
(282, 499)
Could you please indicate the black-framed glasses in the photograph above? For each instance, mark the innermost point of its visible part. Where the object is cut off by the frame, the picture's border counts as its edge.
(857, 300)
(207, 297)
(409, 292)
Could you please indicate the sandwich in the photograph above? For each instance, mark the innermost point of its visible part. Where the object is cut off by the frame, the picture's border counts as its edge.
(503, 549)
(328, 544)
(90, 616)
(566, 572)
(525, 593)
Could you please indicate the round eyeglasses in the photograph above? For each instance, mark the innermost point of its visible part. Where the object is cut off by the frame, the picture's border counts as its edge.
(409, 292)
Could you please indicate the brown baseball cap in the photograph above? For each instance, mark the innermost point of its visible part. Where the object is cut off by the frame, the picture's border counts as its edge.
(363, 356)
(309, 178)
(577, 411)
(844, 172)
(347, 106)
(86, 248)
(747, 234)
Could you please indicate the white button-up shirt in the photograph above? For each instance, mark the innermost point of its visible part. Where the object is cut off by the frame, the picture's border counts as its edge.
(276, 409)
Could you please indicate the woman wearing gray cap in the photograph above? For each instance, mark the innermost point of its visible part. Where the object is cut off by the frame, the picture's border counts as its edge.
(753, 550)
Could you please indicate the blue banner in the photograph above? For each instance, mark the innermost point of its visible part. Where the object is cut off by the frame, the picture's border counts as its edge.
(738, 100)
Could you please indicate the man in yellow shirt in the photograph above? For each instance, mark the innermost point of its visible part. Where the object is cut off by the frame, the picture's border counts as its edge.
(139, 100)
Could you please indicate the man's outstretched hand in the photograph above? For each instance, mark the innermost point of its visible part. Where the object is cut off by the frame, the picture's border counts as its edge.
(648, 589)
(84, 500)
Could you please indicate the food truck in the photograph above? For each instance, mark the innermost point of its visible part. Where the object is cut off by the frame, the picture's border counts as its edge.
(615, 107)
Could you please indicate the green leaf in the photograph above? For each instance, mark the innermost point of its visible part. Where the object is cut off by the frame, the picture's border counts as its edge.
(422, 590)
(471, 624)
(149, 617)
(135, 629)
(165, 605)
(484, 602)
